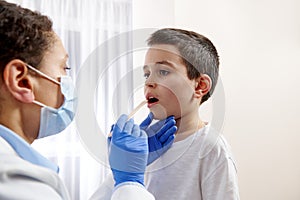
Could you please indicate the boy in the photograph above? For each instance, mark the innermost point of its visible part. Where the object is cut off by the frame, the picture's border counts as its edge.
(181, 71)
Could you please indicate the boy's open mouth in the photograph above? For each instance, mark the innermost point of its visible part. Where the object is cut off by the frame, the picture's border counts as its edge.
(152, 100)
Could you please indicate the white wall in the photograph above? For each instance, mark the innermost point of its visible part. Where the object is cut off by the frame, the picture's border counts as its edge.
(153, 14)
(259, 47)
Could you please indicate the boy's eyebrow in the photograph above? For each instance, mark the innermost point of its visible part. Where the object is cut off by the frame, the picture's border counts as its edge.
(163, 62)
(166, 62)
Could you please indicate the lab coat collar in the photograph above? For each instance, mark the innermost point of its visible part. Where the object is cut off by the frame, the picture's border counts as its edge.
(24, 150)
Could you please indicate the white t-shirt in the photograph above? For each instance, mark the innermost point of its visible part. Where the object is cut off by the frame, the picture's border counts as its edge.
(199, 167)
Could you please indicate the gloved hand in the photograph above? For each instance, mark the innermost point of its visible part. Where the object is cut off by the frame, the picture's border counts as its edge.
(128, 151)
(160, 136)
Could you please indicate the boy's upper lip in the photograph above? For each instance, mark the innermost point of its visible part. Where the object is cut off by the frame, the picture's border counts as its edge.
(150, 95)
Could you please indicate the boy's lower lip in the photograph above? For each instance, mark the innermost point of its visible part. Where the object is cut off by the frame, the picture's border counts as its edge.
(151, 104)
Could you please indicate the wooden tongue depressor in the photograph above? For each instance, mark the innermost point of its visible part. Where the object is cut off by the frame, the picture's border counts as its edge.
(133, 112)
(137, 108)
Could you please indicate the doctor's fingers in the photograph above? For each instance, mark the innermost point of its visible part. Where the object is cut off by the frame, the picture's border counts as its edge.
(120, 122)
(147, 121)
(159, 125)
(164, 131)
(168, 142)
(170, 133)
(128, 127)
(136, 131)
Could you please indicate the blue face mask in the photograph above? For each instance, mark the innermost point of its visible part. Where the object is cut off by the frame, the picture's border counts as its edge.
(55, 120)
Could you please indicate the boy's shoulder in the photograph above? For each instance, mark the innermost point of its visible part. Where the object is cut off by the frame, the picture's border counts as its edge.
(212, 144)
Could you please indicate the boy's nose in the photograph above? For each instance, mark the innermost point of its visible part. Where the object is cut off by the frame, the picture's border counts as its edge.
(150, 84)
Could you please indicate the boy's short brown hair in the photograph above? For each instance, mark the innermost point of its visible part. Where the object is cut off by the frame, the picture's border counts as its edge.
(198, 53)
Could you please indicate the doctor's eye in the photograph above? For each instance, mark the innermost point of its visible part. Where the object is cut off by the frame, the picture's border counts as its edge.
(163, 72)
(67, 68)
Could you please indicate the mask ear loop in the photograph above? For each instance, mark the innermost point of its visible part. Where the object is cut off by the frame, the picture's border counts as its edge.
(42, 74)
(39, 103)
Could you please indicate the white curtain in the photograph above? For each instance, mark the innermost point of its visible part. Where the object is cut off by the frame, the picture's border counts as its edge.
(83, 27)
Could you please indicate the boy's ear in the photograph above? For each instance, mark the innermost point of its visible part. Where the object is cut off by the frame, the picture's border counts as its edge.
(18, 81)
(202, 85)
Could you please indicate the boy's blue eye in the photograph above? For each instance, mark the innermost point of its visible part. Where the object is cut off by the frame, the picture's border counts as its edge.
(163, 72)
(146, 75)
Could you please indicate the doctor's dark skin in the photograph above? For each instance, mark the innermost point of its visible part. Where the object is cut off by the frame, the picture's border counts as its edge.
(19, 86)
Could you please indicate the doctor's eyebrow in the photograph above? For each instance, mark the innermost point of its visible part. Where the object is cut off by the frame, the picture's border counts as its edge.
(145, 67)
(65, 58)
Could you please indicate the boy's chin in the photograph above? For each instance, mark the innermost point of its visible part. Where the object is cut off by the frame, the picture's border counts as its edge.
(159, 112)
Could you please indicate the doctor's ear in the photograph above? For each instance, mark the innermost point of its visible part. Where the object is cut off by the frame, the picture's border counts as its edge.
(202, 85)
(17, 81)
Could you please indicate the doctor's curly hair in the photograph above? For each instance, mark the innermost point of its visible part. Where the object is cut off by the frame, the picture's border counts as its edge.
(25, 35)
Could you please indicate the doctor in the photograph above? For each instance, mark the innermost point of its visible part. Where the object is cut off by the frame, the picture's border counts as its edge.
(36, 101)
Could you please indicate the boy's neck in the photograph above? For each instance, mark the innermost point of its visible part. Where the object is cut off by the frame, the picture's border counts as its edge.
(188, 125)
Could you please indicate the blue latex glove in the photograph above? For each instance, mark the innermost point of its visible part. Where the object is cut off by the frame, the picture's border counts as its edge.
(128, 151)
(160, 136)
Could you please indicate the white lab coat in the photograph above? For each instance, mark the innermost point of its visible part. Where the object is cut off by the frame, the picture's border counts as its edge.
(20, 179)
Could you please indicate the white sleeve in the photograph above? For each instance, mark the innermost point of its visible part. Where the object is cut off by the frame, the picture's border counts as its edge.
(124, 191)
(20, 179)
(22, 187)
(105, 191)
(131, 191)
